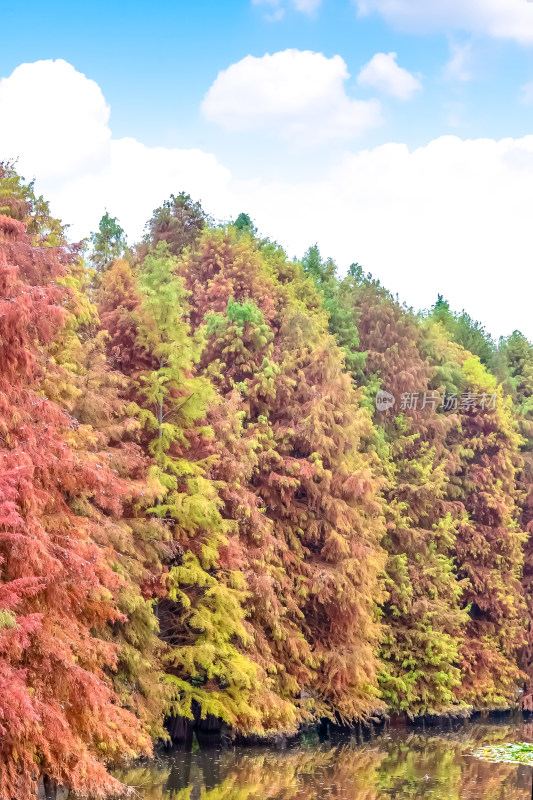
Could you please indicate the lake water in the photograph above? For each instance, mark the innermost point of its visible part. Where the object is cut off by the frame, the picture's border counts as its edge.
(435, 764)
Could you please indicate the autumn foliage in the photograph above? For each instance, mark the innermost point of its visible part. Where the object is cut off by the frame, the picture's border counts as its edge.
(59, 715)
(204, 515)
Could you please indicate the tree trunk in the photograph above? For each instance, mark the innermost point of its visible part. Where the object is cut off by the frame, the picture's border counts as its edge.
(181, 730)
(50, 788)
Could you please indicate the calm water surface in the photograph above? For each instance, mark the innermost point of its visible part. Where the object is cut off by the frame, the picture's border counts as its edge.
(400, 764)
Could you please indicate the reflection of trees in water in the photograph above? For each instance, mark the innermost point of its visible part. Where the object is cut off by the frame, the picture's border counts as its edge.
(527, 732)
(418, 766)
(402, 766)
(440, 767)
(343, 772)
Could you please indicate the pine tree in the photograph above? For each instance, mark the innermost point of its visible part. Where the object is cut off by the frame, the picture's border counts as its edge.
(464, 330)
(338, 302)
(108, 242)
(238, 358)
(80, 380)
(244, 224)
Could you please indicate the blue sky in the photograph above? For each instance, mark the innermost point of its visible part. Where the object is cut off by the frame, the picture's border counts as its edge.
(154, 63)
(420, 166)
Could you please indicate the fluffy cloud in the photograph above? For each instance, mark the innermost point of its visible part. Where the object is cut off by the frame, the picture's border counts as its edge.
(383, 73)
(53, 117)
(458, 67)
(298, 94)
(506, 19)
(58, 130)
(451, 217)
(526, 94)
(307, 6)
(278, 9)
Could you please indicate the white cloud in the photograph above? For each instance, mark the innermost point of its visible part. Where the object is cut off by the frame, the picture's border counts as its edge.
(53, 116)
(307, 6)
(383, 73)
(277, 10)
(297, 94)
(58, 130)
(526, 94)
(304, 6)
(458, 67)
(134, 180)
(451, 217)
(276, 15)
(505, 19)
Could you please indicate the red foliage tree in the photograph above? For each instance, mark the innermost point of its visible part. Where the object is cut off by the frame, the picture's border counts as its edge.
(59, 716)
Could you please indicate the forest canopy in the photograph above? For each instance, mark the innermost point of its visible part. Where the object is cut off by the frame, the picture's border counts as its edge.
(243, 489)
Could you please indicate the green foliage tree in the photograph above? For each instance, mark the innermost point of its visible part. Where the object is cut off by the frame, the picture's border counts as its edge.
(108, 242)
(338, 303)
(244, 224)
(178, 222)
(464, 330)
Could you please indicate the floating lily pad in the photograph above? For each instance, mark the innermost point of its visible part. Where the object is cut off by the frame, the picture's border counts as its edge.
(517, 753)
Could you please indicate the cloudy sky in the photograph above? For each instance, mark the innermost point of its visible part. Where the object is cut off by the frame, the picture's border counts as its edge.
(395, 133)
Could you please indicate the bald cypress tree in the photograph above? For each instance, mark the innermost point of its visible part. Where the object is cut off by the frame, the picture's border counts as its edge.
(199, 591)
(61, 718)
(514, 367)
(423, 619)
(490, 540)
(268, 341)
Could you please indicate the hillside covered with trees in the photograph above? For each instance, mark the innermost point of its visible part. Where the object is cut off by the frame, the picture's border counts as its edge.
(210, 506)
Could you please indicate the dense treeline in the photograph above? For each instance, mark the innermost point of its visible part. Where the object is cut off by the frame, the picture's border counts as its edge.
(236, 485)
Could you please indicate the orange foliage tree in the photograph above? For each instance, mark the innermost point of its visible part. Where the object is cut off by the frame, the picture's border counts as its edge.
(59, 715)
